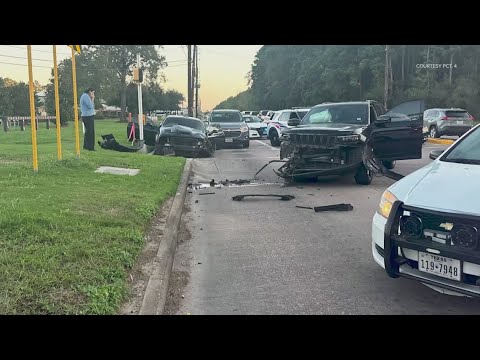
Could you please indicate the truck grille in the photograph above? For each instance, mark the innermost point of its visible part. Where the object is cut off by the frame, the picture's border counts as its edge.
(313, 139)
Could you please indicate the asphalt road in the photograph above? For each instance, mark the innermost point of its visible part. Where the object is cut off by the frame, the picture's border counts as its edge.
(265, 256)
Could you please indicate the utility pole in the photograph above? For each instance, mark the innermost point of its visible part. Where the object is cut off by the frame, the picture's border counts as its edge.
(196, 81)
(190, 83)
(386, 75)
(140, 103)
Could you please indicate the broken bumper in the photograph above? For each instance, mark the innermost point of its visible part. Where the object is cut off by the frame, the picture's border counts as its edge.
(399, 255)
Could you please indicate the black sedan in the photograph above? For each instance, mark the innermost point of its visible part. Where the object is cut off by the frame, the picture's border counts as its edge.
(183, 136)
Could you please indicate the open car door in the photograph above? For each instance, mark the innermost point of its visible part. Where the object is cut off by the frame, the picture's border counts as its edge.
(398, 134)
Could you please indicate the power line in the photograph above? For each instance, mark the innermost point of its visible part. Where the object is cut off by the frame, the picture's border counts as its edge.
(21, 57)
(39, 66)
(38, 50)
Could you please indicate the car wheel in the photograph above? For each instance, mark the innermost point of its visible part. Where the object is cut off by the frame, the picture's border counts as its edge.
(246, 144)
(363, 176)
(389, 164)
(433, 133)
(274, 140)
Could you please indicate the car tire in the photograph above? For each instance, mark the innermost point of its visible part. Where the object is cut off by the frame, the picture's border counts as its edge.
(433, 132)
(274, 140)
(389, 164)
(363, 176)
(246, 144)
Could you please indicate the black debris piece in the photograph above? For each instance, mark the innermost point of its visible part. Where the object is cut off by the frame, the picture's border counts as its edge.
(109, 143)
(264, 166)
(282, 197)
(304, 207)
(213, 183)
(311, 194)
(235, 182)
(210, 193)
(335, 207)
(299, 187)
(196, 201)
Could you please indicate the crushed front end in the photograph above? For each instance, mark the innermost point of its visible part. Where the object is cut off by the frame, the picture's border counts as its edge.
(320, 153)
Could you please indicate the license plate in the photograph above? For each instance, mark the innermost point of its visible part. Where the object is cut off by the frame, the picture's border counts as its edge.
(439, 265)
(459, 122)
(229, 140)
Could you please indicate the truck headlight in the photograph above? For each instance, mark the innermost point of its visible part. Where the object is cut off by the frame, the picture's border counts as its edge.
(386, 202)
(244, 128)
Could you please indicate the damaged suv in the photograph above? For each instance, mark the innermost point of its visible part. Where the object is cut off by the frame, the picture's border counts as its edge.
(357, 138)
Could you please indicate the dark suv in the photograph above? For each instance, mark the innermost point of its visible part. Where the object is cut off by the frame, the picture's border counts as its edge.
(343, 138)
(233, 126)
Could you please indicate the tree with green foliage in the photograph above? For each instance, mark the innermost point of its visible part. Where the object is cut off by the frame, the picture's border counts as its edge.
(283, 76)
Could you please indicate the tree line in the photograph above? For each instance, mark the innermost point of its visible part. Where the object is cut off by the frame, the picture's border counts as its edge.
(283, 76)
(106, 68)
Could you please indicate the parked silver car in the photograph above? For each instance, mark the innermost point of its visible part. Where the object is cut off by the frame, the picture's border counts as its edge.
(450, 122)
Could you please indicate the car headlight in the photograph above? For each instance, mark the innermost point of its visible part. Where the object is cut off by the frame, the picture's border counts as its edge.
(200, 143)
(386, 202)
(244, 128)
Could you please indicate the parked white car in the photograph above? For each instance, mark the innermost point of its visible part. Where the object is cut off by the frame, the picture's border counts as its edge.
(256, 126)
(280, 121)
(427, 225)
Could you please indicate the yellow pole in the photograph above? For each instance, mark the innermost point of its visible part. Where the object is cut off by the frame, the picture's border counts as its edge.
(57, 104)
(75, 102)
(33, 121)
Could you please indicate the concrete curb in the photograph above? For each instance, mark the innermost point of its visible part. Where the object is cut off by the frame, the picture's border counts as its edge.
(440, 141)
(157, 287)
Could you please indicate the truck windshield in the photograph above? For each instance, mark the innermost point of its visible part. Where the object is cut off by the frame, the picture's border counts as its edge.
(337, 113)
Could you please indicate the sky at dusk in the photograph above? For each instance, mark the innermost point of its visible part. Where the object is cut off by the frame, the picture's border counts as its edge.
(222, 68)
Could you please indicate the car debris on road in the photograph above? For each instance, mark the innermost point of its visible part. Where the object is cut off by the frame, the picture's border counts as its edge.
(282, 197)
(334, 207)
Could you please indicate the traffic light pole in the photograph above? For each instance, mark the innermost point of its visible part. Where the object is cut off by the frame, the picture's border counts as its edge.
(140, 103)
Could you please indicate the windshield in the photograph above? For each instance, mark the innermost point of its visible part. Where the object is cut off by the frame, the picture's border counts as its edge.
(337, 113)
(226, 117)
(251, 119)
(191, 123)
(467, 151)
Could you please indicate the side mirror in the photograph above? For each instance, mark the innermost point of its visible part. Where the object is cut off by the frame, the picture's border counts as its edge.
(383, 119)
(293, 122)
(435, 154)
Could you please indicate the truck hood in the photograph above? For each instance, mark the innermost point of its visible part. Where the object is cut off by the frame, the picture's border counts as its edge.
(329, 128)
(441, 186)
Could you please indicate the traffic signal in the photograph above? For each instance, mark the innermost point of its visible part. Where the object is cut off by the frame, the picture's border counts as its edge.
(138, 75)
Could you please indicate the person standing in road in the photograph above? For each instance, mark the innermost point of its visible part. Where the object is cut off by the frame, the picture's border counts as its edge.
(87, 101)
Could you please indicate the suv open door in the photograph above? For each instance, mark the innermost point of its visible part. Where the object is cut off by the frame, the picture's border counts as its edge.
(398, 134)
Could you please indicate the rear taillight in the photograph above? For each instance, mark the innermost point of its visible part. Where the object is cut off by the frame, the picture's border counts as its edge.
(277, 125)
(444, 118)
(471, 118)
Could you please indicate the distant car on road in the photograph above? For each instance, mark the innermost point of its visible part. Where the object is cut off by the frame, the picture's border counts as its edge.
(233, 126)
(280, 121)
(451, 122)
(427, 234)
(256, 126)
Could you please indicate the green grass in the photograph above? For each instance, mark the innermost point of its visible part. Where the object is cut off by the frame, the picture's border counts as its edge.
(69, 235)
